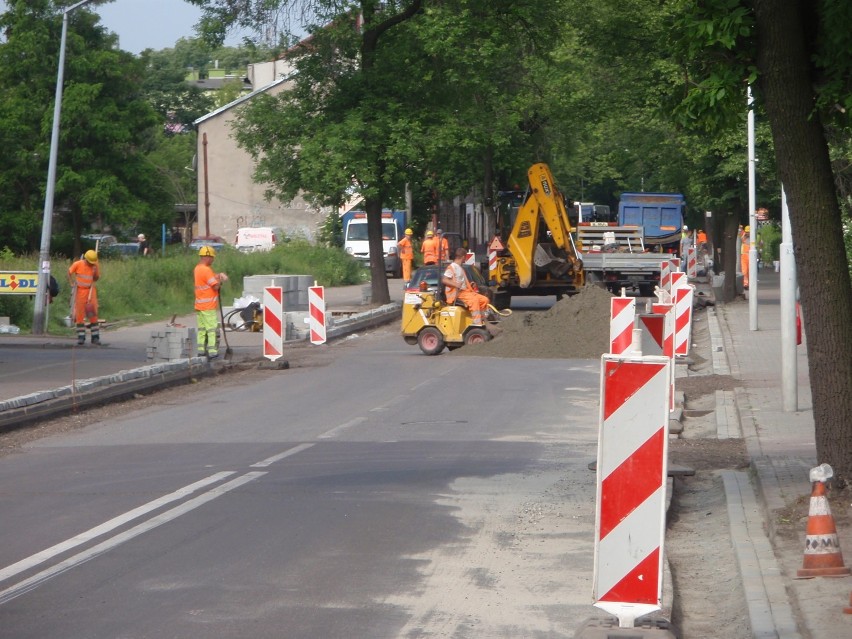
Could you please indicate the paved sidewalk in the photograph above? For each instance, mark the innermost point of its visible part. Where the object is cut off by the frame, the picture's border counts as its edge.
(782, 451)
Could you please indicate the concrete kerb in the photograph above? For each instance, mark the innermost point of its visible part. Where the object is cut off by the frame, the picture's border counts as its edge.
(769, 607)
(88, 392)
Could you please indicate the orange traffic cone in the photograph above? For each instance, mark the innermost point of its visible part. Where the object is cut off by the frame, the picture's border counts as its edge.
(822, 548)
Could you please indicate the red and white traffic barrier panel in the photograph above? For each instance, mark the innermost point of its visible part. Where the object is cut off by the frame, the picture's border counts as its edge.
(492, 264)
(667, 310)
(622, 311)
(316, 314)
(666, 275)
(683, 319)
(653, 333)
(273, 322)
(691, 262)
(677, 281)
(470, 258)
(631, 486)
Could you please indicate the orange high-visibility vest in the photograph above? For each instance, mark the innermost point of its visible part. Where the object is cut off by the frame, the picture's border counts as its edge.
(206, 297)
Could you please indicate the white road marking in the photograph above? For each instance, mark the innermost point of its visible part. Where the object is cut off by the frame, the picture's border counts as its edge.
(287, 453)
(76, 540)
(338, 429)
(33, 582)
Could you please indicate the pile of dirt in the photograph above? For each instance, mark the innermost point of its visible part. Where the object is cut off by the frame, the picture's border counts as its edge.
(576, 327)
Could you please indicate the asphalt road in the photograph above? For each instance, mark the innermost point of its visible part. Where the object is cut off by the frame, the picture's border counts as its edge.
(385, 494)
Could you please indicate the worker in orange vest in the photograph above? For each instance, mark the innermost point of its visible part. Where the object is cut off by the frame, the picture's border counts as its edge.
(207, 285)
(744, 250)
(457, 285)
(443, 248)
(429, 248)
(82, 276)
(406, 256)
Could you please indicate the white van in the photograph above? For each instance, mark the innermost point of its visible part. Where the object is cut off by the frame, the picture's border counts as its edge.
(258, 238)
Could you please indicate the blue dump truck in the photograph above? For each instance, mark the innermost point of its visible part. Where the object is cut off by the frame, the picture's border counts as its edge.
(660, 215)
(356, 240)
(628, 254)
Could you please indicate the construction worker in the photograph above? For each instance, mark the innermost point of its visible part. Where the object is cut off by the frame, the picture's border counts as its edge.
(457, 285)
(443, 248)
(685, 243)
(429, 248)
(82, 276)
(745, 247)
(406, 255)
(207, 285)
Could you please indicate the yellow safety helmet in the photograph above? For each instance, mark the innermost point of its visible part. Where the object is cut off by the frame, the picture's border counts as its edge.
(429, 234)
(207, 251)
(91, 256)
(409, 232)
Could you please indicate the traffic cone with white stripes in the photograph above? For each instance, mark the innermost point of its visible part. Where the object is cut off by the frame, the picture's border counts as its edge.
(822, 547)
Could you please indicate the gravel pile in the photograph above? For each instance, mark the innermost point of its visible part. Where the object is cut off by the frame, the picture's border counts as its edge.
(576, 327)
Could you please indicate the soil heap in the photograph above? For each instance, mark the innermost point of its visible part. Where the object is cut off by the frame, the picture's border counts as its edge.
(576, 327)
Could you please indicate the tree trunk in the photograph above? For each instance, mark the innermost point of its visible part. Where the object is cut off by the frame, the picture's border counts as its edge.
(784, 59)
(378, 279)
(728, 244)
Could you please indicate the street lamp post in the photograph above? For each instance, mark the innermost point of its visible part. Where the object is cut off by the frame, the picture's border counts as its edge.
(44, 251)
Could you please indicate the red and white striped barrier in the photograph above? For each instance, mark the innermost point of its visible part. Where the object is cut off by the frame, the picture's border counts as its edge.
(316, 314)
(470, 258)
(653, 335)
(668, 311)
(492, 264)
(683, 319)
(622, 311)
(631, 486)
(678, 280)
(665, 275)
(273, 322)
(691, 262)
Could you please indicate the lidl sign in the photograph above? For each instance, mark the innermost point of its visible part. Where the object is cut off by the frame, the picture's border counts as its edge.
(18, 282)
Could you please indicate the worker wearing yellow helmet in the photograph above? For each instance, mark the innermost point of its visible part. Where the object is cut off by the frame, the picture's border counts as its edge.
(406, 256)
(745, 247)
(429, 248)
(82, 276)
(207, 285)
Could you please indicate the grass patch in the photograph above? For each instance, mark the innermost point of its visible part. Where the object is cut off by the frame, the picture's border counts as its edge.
(144, 290)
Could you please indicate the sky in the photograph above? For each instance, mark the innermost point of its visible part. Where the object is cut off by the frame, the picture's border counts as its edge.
(150, 24)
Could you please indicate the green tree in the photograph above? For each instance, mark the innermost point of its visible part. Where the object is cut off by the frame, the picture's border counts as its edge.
(164, 83)
(797, 53)
(102, 176)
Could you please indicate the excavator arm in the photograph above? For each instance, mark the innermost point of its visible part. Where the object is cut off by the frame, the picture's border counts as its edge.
(545, 203)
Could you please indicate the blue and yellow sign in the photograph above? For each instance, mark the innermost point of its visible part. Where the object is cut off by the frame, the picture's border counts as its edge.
(18, 282)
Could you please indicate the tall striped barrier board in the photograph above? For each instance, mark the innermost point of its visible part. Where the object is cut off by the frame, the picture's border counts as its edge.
(316, 314)
(622, 311)
(273, 322)
(631, 486)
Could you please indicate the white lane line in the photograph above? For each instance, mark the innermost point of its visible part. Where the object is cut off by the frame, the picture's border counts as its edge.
(287, 453)
(399, 399)
(338, 429)
(76, 540)
(33, 582)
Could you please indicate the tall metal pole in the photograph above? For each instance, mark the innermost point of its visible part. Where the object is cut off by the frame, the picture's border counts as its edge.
(752, 221)
(789, 366)
(39, 323)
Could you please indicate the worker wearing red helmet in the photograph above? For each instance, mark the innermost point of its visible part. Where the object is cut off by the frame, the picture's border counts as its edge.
(458, 285)
(82, 276)
(207, 285)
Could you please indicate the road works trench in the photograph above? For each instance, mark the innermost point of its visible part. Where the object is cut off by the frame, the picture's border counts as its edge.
(709, 599)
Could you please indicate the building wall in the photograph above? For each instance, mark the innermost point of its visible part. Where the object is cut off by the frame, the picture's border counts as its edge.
(231, 198)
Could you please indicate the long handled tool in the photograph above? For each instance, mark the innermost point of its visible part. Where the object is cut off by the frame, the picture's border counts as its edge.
(228, 351)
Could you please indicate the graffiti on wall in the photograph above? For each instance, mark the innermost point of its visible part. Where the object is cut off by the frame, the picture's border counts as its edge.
(255, 220)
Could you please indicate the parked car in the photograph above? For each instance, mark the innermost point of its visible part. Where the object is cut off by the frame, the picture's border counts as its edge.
(207, 240)
(121, 249)
(98, 241)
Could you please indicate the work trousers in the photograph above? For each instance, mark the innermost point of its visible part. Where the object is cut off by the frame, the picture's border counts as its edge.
(208, 329)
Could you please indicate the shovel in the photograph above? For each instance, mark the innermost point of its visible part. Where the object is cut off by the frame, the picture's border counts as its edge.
(90, 307)
(228, 351)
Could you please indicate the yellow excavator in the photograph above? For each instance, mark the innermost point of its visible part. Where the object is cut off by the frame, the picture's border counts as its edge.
(539, 255)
